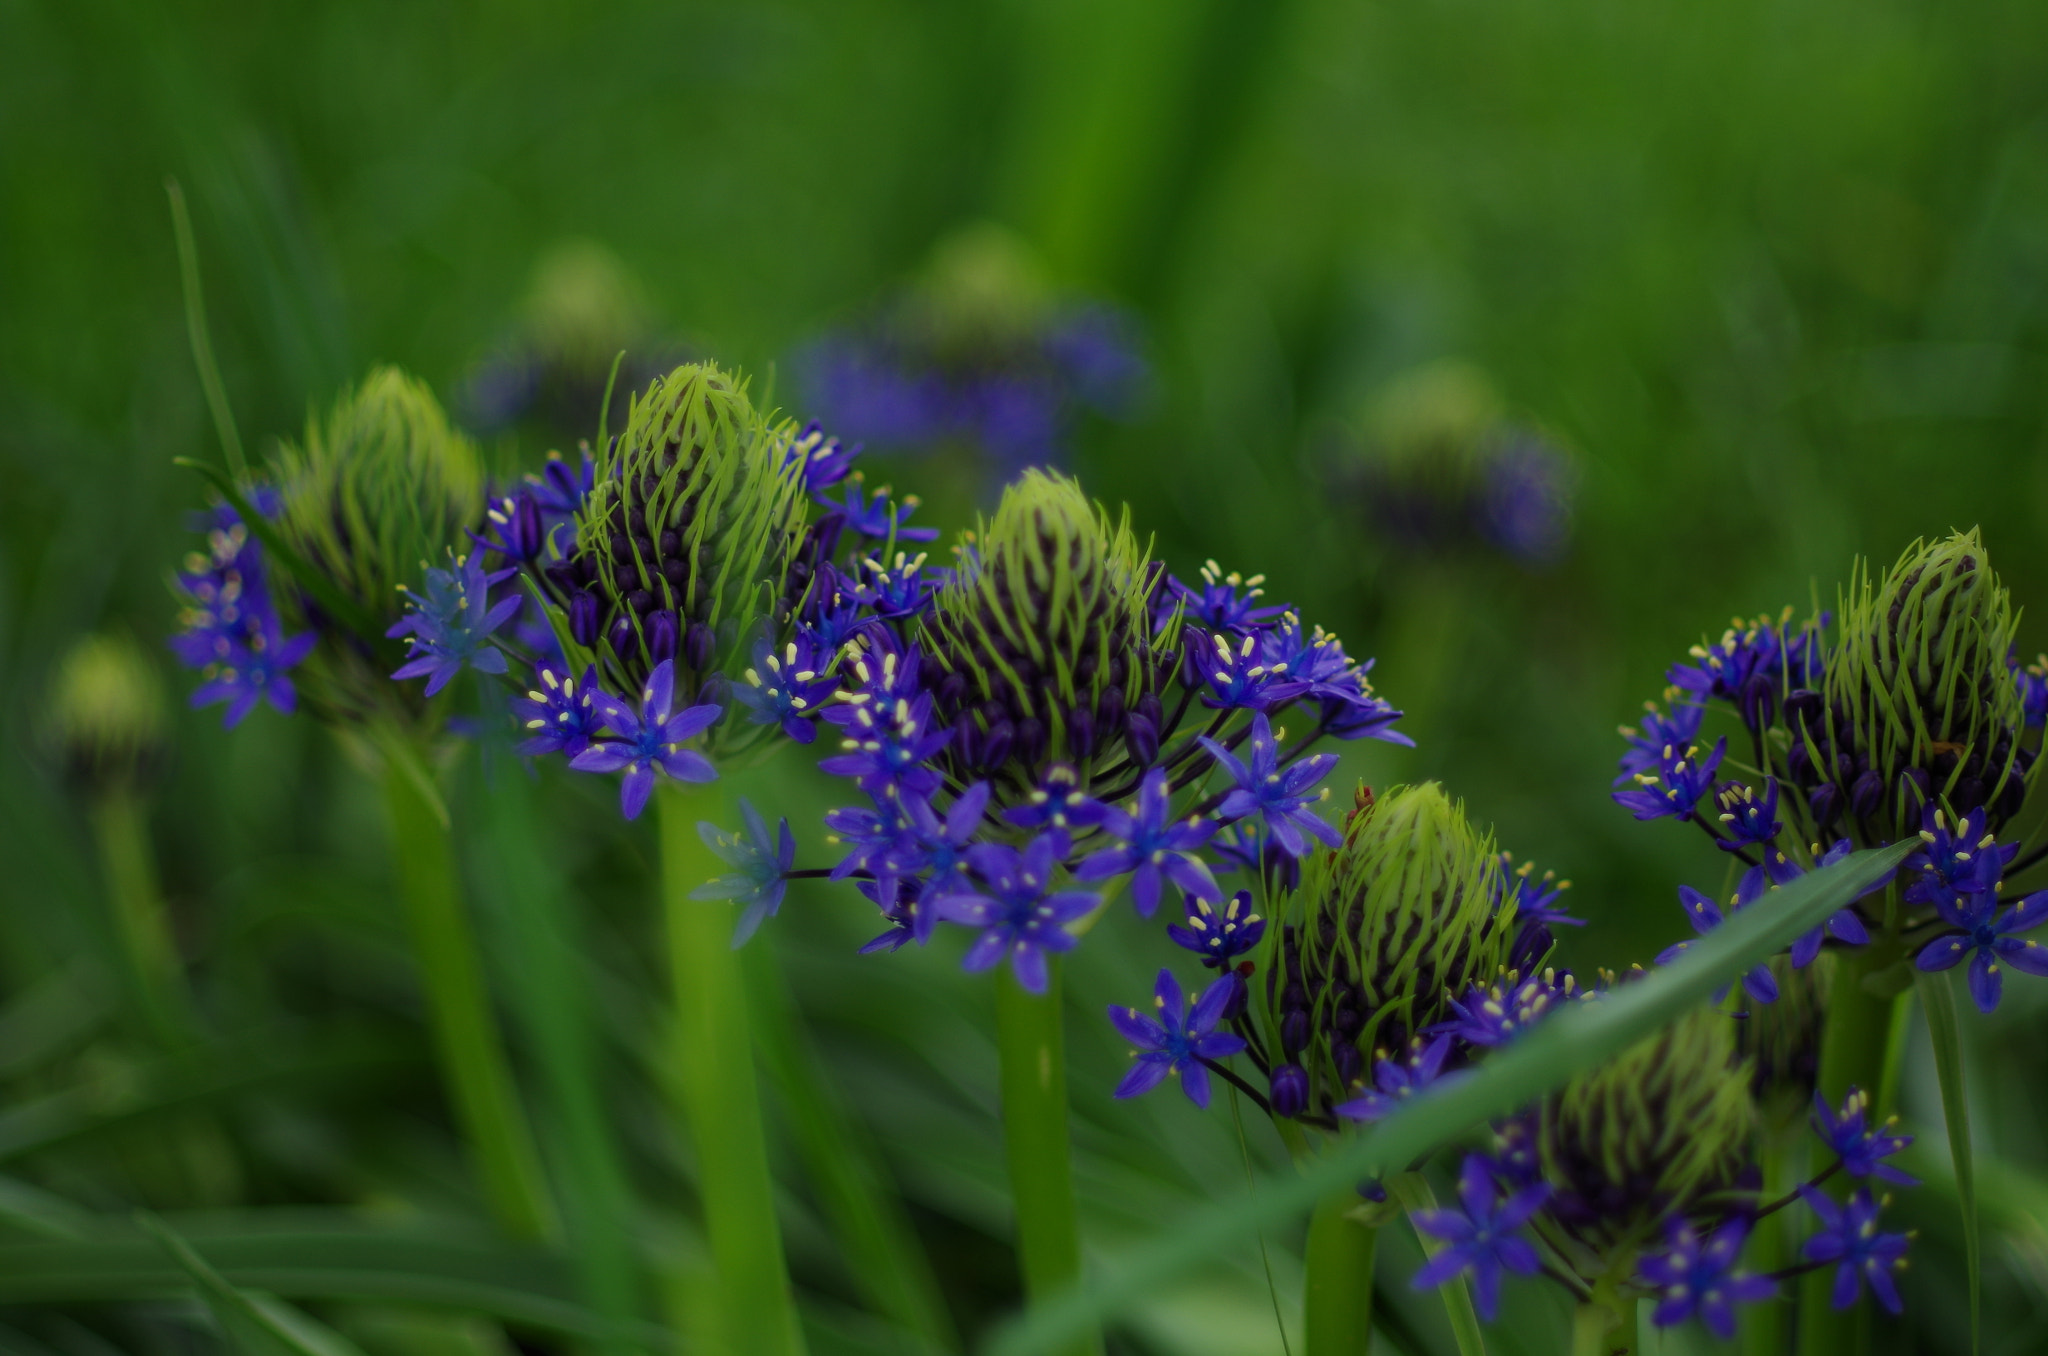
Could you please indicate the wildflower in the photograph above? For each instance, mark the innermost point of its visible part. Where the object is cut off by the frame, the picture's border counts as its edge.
(1058, 802)
(760, 875)
(1850, 1239)
(1219, 939)
(935, 851)
(1862, 1148)
(1751, 820)
(1277, 796)
(825, 460)
(517, 527)
(1697, 1277)
(1676, 729)
(1684, 777)
(1226, 604)
(1178, 1041)
(1483, 1236)
(1985, 935)
(901, 913)
(561, 714)
(1240, 678)
(1956, 862)
(1705, 915)
(1493, 1015)
(2031, 683)
(878, 517)
(1155, 848)
(649, 741)
(789, 687)
(449, 629)
(890, 748)
(1395, 1082)
(1020, 915)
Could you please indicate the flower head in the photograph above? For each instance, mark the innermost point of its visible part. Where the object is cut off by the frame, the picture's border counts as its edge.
(449, 627)
(1153, 848)
(1020, 916)
(1179, 1039)
(1394, 1082)
(649, 741)
(1705, 915)
(1696, 1276)
(1483, 1236)
(1277, 796)
(1681, 781)
(560, 714)
(1985, 935)
(1861, 1147)
(1862, 1255)
(788, 687)
(1226, 604)
(760, 863)
(1219, 938)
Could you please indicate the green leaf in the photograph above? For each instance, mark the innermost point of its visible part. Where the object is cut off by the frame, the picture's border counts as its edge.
(280, 555)
(257, 1325)
(1937, 994)
(1574, 1040)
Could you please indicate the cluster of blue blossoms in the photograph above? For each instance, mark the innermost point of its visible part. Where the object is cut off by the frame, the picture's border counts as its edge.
(232, 633)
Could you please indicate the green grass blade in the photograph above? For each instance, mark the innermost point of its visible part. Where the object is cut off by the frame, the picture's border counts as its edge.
(202, 343)
(278, 553)
(257, 1325)
(1572, 1041)
(1937, 995)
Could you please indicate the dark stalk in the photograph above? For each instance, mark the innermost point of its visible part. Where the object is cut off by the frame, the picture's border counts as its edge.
(1775, 1206)
(1223, 1071)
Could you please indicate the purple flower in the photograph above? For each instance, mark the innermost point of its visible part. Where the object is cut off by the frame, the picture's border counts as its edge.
(825, 462)
(1495, 1015)
(1954, 862)
(232, 632)
(1019, 913)
(1705, 915)
(1677, 786)
(1395, 1082)
(2032, 682)
(1862, 1148)
(1275, 795)
(517, 527)
(1749, 820)
(1175, 1044)
(255, 671)
(1226, 603)
(1484, 1236)
(1155, 847)
(1695, 1276)
(1241, 675)
(1057, 802)
(1533, 899)
(1850, 1239)
(1986, 938)
(789, 687)
(1219, 940)
(900, 913)
(888, 745)
(760, 863)
(876, 517)
(901, 589)
(1646, 746)
(560, 715)
(874, 836)
(935, 851)
(1844, 925)
(449, 629)
(650, 741)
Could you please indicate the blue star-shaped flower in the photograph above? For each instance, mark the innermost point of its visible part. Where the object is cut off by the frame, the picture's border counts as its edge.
(876, 517)
(1395, 1081)
(649, 741)
(2032, 682)
(1750, 820)
(560, 715)
(1676, 788)
(1278, 797)
(1057, 802)
(1484, 1236)
(1241, 676)
(1986, 937)
(1862, 1148)
(1154, 847)
(833, 613)
(1224, 602)
(889, 744)
(899, 589)
(1021, 916)
(1705, 915)
(934, 851)
(1219, 939)
(900, 914)
(561, 489)
(1492, 1015)
(760, 875)
(1179, 1039)
(450, 627)
(1849, 1238)
(1659, 731)
(788, 687)
(255, 670)
(1844, 925)
(824, 460)
(1534, 899)
(1954, 862)
(1696, 1276)
(874, 836)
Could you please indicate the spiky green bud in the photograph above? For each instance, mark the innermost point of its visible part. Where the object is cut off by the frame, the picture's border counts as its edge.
(106, 713)
(1781, 1040)
(687, 537)
(1917, 684)
(1383, 932)
(1431, 423)
(1043, 641)
(582, 306)
(983, 292)
(1662, 1127)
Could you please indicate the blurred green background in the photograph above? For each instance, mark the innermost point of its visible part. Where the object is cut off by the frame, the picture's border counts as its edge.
(1775, 270)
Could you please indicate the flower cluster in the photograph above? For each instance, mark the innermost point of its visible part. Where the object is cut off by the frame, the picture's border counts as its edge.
(231, 629)
(1910, 716)
(1054, 716)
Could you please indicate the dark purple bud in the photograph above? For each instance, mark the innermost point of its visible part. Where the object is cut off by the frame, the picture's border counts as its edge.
(622, 637)
(1142, 740)
(524, 533)
(1532, 943)
(717, 691)
(1194, 652)
(1290, 1090)
(951, 692)
(1234, 1009)
(1030, 740)
(1866, 794)
(640, 600)
(1350, 1063)
(1798, 763)
(1376, 1192)
(698, 644)
(1969, 793)
(564, 575)
(1081, 732)
(967, 742)
(1759, 700)
(661, 634)
(1803, 706)
(995, 745)
(1294, 1032)
(583, 619)
(1825, 801)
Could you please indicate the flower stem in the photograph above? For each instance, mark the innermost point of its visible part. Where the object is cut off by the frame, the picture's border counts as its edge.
(1337, 1295)
(1605, 1325)
(1854, 1039)
(1034, 1082)
(714, 1084)
(466, 1034)
(151, 956)
(1763, 1326)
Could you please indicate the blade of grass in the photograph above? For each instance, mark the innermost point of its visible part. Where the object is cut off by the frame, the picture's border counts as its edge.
(1574, 1040)
(1937, 995)
(257, 1325)
(195, 327)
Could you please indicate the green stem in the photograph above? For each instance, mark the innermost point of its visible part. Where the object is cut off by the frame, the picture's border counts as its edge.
(1763, 1326)
(714, 1082)
(1034, 1082)
(1605, 1328)
(147, 949)
(1411, 1191)
(1337, 1294)
(1854, 1043)
(466, 1035)
(845, 1165)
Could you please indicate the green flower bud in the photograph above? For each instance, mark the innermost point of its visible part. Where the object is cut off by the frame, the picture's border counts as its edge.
(982, 294)
(687, 537)
(1382, 933)
(1659, 1129)
(382, 486)
(1918, 691)
(1781, 1040)
(1428, 426)
(583, 306)
(1043, 642)
(106, 713)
